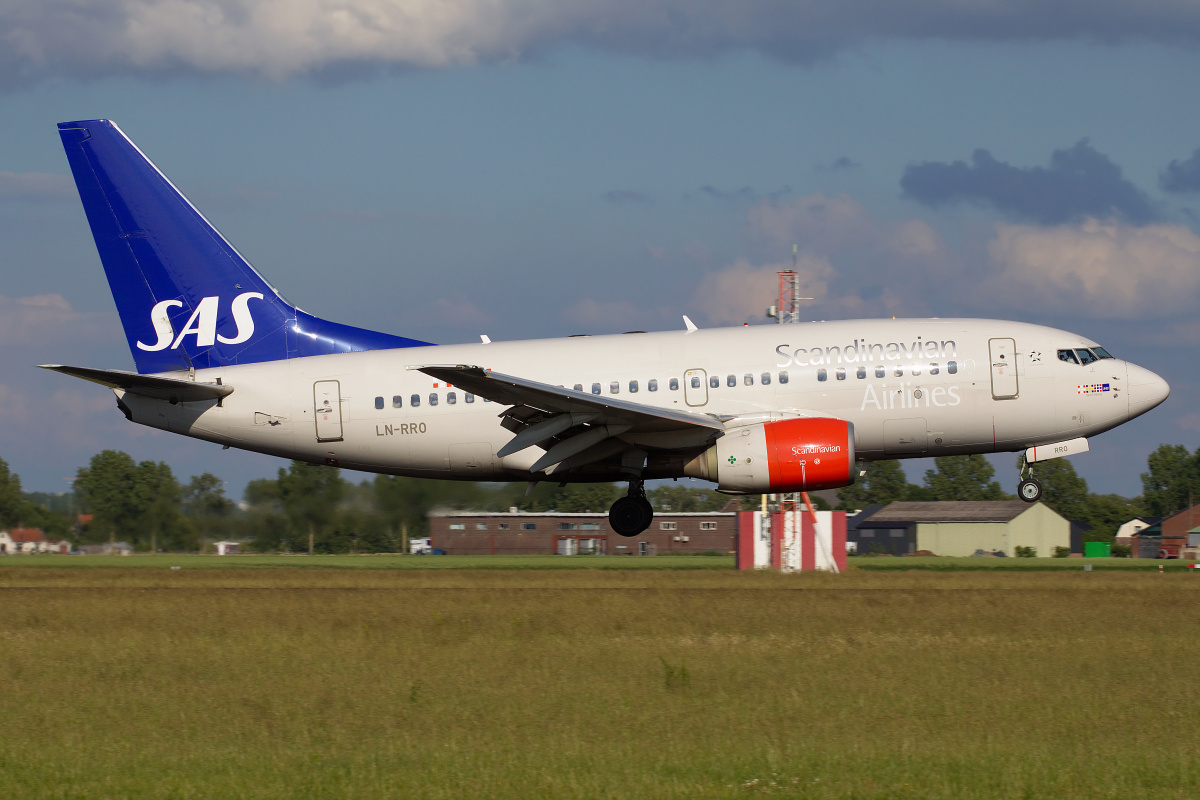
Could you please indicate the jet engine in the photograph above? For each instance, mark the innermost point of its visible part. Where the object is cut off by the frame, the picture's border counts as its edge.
(790, 455)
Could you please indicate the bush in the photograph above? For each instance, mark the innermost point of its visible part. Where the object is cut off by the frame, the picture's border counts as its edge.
(1062, 552)
(1121, 551)
(1025, 552)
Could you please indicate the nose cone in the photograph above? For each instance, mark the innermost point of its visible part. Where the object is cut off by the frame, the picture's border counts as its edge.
(1146, 390)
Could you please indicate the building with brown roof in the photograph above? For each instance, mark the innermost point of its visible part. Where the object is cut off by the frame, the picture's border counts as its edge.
(962, 528)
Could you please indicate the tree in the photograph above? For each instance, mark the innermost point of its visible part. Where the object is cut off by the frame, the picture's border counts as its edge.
(309, 496)
(137, 502)
(963, 478)
(15, 508)
(885, 482)
(1062, 488)
(1173, 476)
(1106, 513)
(685, 499)
(207, 507)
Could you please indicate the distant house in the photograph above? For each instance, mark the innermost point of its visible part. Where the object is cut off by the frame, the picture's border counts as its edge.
(1129, 532)
(107, 549)
(961, 528)
(227, 548)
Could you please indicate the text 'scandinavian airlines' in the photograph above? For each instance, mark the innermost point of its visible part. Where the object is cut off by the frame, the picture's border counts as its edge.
(221, 356)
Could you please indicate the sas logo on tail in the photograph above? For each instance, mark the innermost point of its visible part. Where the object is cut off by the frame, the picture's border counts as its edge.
(202, 323)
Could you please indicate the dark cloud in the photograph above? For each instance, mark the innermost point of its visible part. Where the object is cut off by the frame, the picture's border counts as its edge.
(622, 197)
(1080, 182)
(1182, 176)
(46, 39)
(742, 195)
(839, 164)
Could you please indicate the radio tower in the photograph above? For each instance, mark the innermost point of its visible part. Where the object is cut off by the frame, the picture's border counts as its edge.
(787, 308)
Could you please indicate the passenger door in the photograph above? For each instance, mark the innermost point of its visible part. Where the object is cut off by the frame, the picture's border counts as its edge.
(695, 387)
(327, 408)
(1004, 368)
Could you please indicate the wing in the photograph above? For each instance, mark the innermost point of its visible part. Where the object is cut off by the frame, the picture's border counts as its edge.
(577, 428)
(172, 389)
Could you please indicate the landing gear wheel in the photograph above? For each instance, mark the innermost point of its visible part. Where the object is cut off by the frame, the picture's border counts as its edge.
(1029, 490)
(630, 515)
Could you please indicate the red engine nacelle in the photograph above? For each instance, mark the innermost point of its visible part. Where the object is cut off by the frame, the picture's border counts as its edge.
(790, 455)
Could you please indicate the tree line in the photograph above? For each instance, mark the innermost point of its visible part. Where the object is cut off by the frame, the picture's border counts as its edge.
(307, 508)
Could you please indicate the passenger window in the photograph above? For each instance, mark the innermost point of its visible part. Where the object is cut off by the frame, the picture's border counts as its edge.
(841, 373)
(898, 372)
(414, 401)
(652, 385)
(578, 387)
(952, 367)
(614, 387)
(633, 387)
(433, 398)
(379, 402)
(674, 385)
(695, 381)
(468, 397)
(1085, 356)
(595, 388)
(916, 370)
(783, 376)
(748, 379)
(397, 401)
(860, 373)
(714, 381)
(1068, 356)
(731, 381)
(933, 368)
(451, 398)
(822, 374)
(765, 378)
(881, 372)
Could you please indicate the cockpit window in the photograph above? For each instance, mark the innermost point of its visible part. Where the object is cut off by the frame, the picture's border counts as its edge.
(1068, 356)
(1085, 356)
(1101, 352)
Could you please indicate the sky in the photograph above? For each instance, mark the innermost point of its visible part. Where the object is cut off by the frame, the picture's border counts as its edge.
(535, 168)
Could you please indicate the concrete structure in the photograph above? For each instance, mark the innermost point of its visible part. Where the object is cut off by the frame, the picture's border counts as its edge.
(962, 528)
(788, 541)
(552, 532)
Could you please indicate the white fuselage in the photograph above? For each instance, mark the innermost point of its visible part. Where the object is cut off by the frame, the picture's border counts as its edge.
(911, 388)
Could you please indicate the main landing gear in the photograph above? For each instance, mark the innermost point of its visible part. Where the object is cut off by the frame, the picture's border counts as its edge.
(1028, 489)
(633, 513)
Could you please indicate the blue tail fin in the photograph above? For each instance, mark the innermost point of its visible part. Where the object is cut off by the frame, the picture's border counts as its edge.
(185, 296)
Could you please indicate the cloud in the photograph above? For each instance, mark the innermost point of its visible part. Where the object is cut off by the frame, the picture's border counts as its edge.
(1182, 176)
(48, 319)
(623, 197)
(742, 195)
(1080, 182)
(741, 292)
(1096, 269)
(279, 39)
(35, 186)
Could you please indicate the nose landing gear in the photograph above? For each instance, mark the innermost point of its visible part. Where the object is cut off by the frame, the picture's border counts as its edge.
(633, 513)
(1028, 489)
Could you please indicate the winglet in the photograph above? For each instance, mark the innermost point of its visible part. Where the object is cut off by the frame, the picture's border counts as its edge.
(691, 326)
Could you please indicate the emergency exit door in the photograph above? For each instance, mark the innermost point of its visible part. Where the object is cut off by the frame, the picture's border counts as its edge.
(327, 408)
(1004, 368)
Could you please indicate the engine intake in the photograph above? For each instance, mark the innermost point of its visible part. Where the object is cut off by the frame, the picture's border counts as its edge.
(791, 455)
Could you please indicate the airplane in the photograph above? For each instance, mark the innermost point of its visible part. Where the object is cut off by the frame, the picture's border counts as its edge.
(221, 356)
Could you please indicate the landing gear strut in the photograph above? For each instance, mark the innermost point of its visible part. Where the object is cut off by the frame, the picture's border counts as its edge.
(1028, 489)
(633, 513)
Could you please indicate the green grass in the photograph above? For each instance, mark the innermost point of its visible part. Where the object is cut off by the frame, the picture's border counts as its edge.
(390, 561)
(291, 682)
(946, 563)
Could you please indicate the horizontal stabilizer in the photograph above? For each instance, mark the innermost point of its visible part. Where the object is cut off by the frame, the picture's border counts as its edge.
(173, 389)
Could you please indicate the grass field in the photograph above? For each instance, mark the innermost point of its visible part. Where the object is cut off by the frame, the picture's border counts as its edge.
(596, 683)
